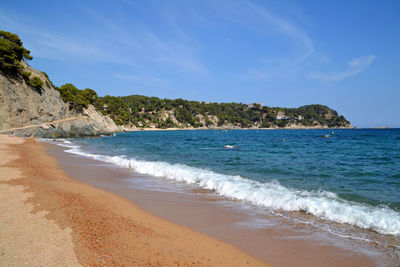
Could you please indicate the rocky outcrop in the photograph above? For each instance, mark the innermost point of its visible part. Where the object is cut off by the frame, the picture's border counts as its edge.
(169, 114)
(29, 111)
(101, 123)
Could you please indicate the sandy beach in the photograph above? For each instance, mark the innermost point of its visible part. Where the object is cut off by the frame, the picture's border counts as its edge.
(48, 219)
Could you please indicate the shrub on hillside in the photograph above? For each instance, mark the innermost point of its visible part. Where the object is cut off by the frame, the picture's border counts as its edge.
(35, 82)
(26, 75)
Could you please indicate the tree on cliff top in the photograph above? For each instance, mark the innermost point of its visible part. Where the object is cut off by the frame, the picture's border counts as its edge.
(77, 98)
(11, 53)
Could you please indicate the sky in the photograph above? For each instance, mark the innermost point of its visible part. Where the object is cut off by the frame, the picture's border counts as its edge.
(343, 54)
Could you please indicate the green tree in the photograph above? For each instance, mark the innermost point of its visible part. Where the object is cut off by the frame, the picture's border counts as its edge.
(11, 53)
(79, 99)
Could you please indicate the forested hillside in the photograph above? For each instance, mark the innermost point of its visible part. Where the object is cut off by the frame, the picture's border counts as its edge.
(143, 111)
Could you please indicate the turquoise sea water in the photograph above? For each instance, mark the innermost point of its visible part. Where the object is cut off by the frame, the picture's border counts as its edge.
(351, 177)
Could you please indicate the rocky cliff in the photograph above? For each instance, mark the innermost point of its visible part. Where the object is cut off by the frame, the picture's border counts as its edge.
(26, 110)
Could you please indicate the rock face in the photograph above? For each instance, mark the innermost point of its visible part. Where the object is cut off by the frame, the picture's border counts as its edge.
(100, 123)
(30, 111)
(21, 104)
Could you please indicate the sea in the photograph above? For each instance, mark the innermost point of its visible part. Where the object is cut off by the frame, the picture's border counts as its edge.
(345, 181)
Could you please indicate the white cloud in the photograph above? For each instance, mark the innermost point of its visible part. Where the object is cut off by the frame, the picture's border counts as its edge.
(355, 67)
(288, 28)
(263, 21)
(174, 53)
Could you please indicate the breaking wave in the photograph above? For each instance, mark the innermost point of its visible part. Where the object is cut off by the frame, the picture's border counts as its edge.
(272, 195)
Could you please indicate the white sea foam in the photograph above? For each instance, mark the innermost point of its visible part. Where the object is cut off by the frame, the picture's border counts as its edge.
(58, 141)
(323, 204)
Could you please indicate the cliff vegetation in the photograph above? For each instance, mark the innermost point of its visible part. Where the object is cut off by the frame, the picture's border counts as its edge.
(143, 111)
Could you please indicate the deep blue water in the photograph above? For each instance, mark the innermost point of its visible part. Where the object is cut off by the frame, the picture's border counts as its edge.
(354, 173)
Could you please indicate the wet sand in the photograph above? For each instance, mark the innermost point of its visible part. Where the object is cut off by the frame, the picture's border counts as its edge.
(47, 219)
(277, 243)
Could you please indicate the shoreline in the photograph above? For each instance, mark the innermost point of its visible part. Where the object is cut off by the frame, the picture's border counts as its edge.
(197, 209)
(102, 228)
(229, 129)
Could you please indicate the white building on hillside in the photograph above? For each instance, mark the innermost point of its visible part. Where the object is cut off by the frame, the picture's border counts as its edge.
(281, 116)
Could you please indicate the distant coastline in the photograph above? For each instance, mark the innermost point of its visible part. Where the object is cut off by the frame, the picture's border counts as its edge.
(229, 129)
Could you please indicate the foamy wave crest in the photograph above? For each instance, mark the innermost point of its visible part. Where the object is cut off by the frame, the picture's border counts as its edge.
(273, 195)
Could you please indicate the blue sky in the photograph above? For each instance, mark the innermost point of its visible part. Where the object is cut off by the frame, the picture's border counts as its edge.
(344, 54)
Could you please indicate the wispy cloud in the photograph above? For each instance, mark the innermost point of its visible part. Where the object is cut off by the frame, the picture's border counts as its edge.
(264, 22)
(53, 45)
(288, 28)
(274, 71)
(142, 79)
(355, 67)
(175, 52)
